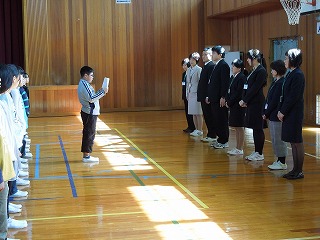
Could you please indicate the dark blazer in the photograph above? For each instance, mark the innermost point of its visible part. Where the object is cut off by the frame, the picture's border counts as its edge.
(273, 99)
(256, 81)
(234, 93)
(184, 85)
(254, 98)
(219, 82)
(292, 105)
(202, 92)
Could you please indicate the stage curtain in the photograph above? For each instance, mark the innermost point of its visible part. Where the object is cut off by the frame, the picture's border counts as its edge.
(11, 32)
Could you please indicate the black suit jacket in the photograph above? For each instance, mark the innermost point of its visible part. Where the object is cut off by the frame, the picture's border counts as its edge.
(184, 85)
(292, 103)
(235, 89)
(256, 81)
(273, 99)
(219, 82)
(202, 92)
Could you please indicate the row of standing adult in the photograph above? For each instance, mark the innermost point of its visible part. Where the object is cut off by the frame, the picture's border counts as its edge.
(211, 92)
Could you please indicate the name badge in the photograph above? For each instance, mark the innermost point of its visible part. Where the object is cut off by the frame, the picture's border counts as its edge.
(183, 83)
(266, 106)
(245, 86)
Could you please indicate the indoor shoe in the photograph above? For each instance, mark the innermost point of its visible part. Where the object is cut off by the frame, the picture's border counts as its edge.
(277, 165)
(24, 166)
(188, 130)
(23, 160)
(14, 210)
(247, 157)
(218, 145)
(256, 157)
(12, 223)
(28, 155)
(196, 133)
(22, 182)
(208, 139)
(296, 176)
(288, 174)
(235, 151)
(19, 194)
(90, 159)
(23, 173)
(15, 205)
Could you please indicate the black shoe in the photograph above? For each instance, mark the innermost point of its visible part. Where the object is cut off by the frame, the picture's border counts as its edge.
(296, 176)
(188, 130)
(291, 173)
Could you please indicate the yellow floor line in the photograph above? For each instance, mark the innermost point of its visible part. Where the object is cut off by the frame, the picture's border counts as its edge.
(84, 216)
(164, 171)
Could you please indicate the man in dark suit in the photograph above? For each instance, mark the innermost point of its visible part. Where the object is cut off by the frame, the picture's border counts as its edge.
(217, 89)
(202, 94)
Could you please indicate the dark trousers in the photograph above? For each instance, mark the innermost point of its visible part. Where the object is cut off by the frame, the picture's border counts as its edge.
(12, 185)
(207, 114)
(188, 116)
(89, 131)
(258, 139)
(23, 148)
(220, 122)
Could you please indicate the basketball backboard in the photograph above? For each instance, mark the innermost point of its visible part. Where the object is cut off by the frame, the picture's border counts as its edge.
(308, 8)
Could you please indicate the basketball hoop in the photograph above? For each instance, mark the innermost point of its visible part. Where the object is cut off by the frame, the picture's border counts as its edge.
(293, 9)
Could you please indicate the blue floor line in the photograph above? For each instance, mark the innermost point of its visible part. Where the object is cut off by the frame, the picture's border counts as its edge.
(37, 167)
(73, 187)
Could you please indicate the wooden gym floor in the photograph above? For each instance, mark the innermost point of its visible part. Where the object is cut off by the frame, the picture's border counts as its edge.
(155, 182)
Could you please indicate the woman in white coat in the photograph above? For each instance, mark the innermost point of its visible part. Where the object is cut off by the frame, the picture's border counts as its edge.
(194, 107)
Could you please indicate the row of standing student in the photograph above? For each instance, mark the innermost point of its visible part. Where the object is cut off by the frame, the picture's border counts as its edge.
(14, 144)
(215, 93)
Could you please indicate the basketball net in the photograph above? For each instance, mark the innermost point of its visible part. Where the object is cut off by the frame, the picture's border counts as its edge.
(293, 9)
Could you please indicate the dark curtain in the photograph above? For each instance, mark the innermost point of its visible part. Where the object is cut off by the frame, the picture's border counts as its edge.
(11, 32)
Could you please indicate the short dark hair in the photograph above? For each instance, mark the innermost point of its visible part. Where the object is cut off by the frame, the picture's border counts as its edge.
(6, 77)
(279, 67)
(86, 70)
(258, 55)
(195, 56)
(20, 70)
(185, 61)
(254, 54)
(220, 50)
(238, 63)
(14, 70)
(295, 57)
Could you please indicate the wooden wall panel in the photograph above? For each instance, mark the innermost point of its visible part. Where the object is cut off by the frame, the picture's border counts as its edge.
(36, 41)
(235, 8)
(54, 100)
(139, 46)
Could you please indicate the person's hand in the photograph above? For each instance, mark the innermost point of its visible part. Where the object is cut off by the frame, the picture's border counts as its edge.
(264, 117)
(222, 102)
(242, 104)
(1, 186)
(106, 89)
(207, 100)
(280, 116)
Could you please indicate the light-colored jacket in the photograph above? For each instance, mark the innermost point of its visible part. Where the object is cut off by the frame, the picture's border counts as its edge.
(193, 77)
